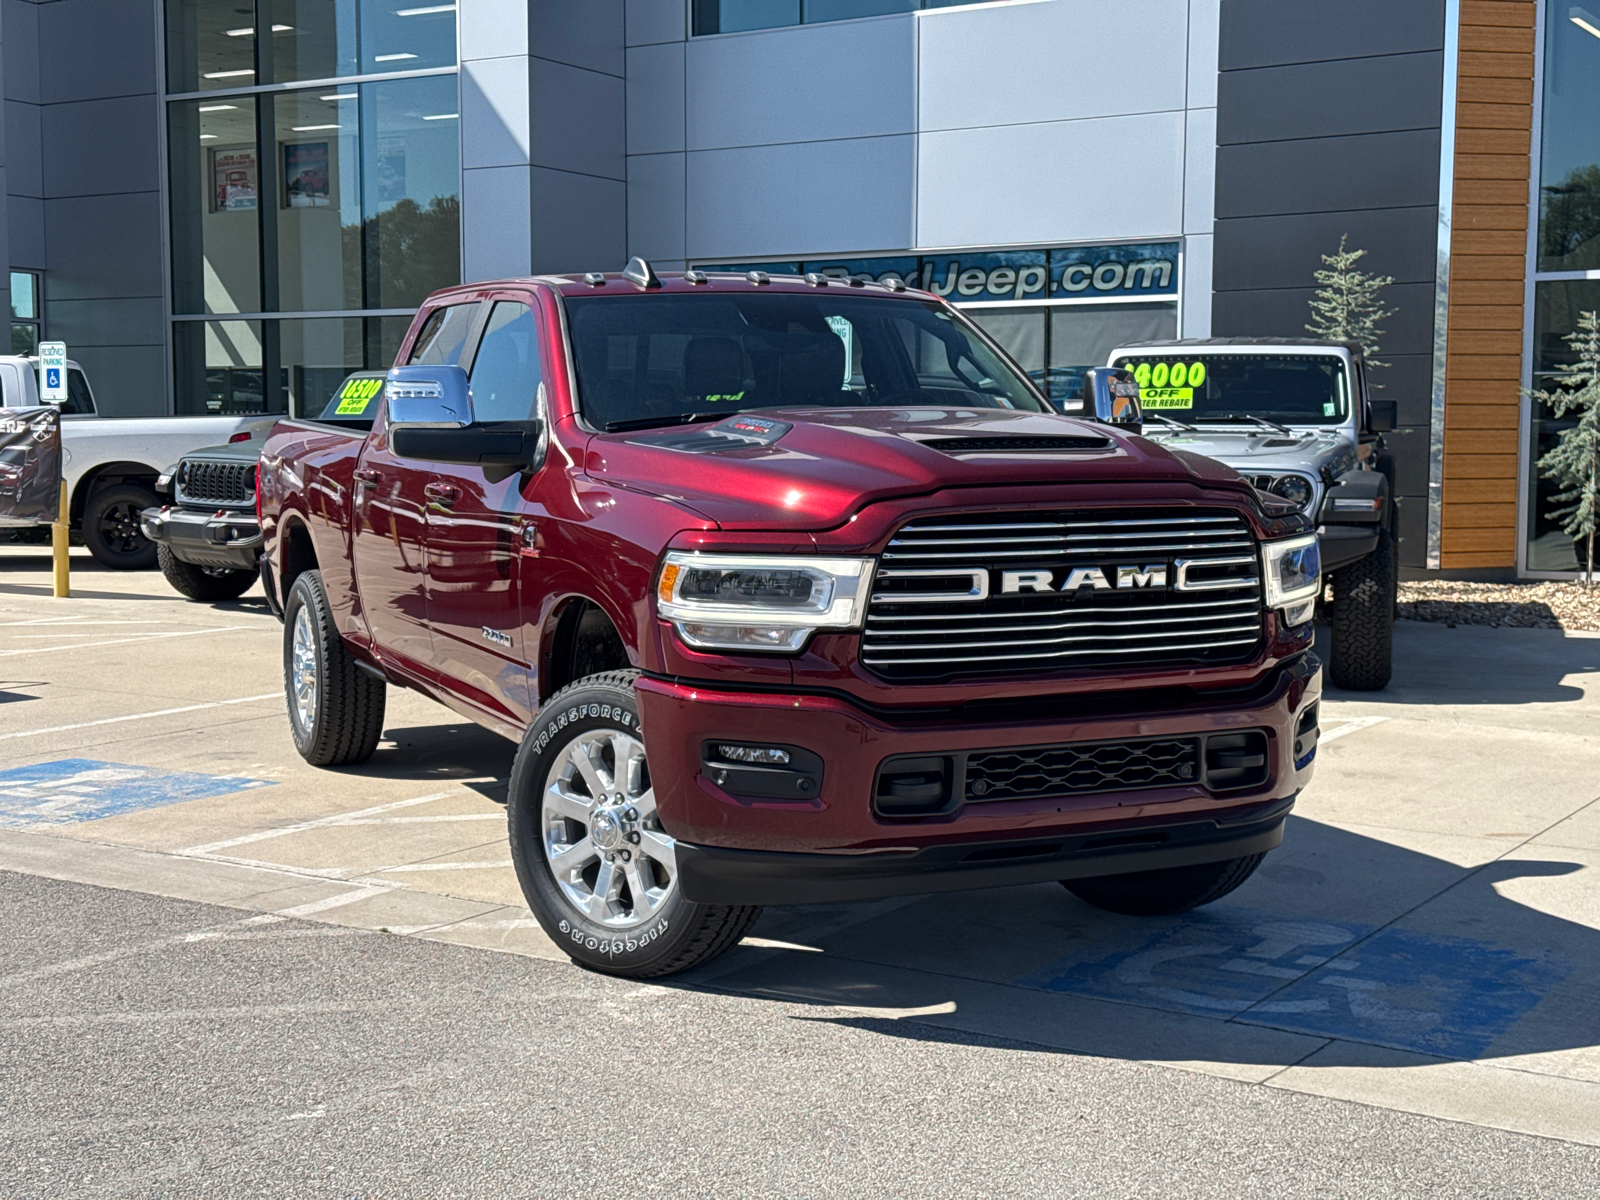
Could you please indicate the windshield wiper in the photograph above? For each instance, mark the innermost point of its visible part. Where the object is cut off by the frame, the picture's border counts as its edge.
(693, 418)
(1168, 420)
(1261, 421)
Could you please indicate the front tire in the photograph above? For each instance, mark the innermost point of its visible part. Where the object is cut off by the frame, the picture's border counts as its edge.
(1362, 622)
(204, 583)
(1175, 889)
(111, 527)
(596, 868)
(335, 708)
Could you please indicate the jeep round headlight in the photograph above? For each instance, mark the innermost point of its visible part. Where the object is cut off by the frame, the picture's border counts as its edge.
(759, 602)
(1296, 489)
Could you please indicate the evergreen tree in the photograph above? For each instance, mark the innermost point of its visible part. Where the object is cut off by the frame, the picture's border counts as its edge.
(1346, 307)
(1573, 464)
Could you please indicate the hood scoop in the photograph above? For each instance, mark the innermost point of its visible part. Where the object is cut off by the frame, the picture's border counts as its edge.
(1271, 442)
(1016, 444)
(736, 433)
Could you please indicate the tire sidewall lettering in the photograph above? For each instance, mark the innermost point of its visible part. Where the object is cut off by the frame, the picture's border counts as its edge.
(613, 946)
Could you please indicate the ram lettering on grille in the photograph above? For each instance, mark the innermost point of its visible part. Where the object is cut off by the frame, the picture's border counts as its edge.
(997, 593)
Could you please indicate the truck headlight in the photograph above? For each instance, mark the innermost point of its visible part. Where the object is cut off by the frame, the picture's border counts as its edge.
(759, 602)
(1292, 569)
(1296, 489)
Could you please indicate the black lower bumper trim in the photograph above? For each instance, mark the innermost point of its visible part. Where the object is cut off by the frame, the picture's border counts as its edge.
(714, 875)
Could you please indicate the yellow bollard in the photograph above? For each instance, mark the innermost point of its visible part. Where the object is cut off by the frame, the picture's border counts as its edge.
(58, 549)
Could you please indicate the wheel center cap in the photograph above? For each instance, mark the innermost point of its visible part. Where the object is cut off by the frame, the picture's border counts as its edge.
(605, 829)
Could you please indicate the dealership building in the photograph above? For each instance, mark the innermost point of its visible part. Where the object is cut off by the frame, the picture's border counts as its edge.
(227, 205)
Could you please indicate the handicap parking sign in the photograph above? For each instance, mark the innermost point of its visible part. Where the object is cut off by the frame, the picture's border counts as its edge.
(52, 377)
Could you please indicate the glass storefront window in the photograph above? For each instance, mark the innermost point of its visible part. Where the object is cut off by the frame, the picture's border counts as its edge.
(210, 44)
(1082, 337)
(24, 312)
(407, 35)
(411, 189)
(219, 367)
(287, 366)
(215, 185)
(313, 39)
(1569, 164)
(318, 183)
(1556, 306)
(734, 16)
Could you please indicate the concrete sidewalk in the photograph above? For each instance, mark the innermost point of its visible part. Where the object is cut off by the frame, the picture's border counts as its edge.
(1427, 939)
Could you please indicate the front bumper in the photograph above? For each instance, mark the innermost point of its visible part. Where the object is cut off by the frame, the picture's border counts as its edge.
(830, 842)
(218, 538)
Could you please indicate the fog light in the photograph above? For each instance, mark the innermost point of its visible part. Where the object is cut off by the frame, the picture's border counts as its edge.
(764, 755)
(1299, 614)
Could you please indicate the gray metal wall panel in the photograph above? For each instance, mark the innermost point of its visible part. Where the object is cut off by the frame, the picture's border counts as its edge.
(1029, 183)
(1260, 33)
(25, 223)
(811, 83)
(1283, 251)
(492, 28)
(130, 322)
(496, 222)
(656, 21)
(579, 119)
(973, 73)
(579, 222)
(1195, 311)
(1327, 99)
(656, 99)
(1199, 170)
(102, 246)
(1205, 18)
(1371, 170)
(90, 49)
(1283, 312)
(582, 33)
(100, 147)
(495, 112)
(20, 21)
(24, 164)
(128, 381)
(656, 205)
(765, 200)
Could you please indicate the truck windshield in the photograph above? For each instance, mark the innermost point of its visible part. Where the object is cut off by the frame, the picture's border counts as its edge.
(1291, 389)
(647, 359)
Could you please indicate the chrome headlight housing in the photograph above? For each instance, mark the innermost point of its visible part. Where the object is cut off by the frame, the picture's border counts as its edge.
(1296, 489)
(759, 602)
(1292, 570)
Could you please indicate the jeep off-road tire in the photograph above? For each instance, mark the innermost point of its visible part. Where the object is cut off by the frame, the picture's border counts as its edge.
(204, 583)
(1174, 889)
(111, 527)
(596, 868)
(335, 708)
(1362, 621)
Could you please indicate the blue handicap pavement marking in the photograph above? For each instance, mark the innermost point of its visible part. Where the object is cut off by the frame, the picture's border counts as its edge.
(81, 789)
(1435, 995)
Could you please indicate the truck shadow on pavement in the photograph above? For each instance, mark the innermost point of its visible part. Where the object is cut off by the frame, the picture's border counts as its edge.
(1338, 936)
(456, 752)
(1477, 665)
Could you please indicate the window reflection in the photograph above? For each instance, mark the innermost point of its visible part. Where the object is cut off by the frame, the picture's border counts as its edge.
(210, 44)
(312, 39)
(411, 201)
(407, 35)
(215, 194)
(1569, 171)
(218, 367)
(1556, 306)
(318, 180)
(734, 16)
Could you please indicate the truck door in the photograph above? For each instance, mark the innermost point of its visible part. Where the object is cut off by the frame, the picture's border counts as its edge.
(389, 517)
(475, 529)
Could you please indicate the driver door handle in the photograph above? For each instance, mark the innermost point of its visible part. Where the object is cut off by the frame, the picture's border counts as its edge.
(443, 494)
(367, 476)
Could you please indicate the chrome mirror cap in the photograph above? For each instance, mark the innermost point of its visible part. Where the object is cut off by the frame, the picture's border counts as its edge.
(1111, 396)
(436, 396)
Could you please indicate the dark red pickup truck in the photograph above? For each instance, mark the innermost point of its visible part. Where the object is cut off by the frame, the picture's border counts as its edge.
(793, 590)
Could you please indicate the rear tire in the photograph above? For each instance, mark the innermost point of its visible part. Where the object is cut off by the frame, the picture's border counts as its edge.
(111, 527)
(1362, 622)
(1175, 889)
(596, 868)
(335, 708)
(202, 583)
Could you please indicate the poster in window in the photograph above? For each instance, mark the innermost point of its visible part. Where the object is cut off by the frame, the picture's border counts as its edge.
(306, 182)
(233, 174)
(391, 170)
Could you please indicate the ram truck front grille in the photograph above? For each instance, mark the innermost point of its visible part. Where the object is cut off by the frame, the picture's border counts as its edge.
(226, 484)
(1008, 592)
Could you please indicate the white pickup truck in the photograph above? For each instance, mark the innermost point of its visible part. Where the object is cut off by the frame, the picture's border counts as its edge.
(112, 463)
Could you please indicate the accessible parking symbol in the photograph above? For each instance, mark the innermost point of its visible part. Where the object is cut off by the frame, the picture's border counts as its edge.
(81, 789)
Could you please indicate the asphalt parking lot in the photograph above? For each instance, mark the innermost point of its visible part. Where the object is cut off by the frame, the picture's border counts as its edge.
(1425, 945)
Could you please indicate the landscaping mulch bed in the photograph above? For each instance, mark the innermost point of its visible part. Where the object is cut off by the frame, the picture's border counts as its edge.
(1549, 605)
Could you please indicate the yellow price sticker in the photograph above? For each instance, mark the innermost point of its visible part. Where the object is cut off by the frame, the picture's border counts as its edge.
(1166, 397)
(356, 395)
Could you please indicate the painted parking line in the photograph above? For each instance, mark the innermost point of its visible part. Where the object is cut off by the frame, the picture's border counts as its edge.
(143, 716)
(82, 789)
(1346, 727)
(147, 637)
(262, 835)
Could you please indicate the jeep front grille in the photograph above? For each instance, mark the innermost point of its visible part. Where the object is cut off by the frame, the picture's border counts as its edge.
(225, 484)
(1132, 626)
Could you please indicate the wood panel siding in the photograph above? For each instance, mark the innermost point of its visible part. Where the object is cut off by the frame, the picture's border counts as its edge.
(1488, 264)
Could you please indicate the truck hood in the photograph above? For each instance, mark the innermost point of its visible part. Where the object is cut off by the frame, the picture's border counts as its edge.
(1261, 450)
(813, 468)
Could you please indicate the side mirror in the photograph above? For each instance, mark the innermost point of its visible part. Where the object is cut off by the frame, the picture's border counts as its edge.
(432, 397)
(1111, 396)
(430, 418)
(1381, 415)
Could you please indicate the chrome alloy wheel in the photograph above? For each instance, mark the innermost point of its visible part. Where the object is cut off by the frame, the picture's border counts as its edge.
(602, 838)
(303, 664)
